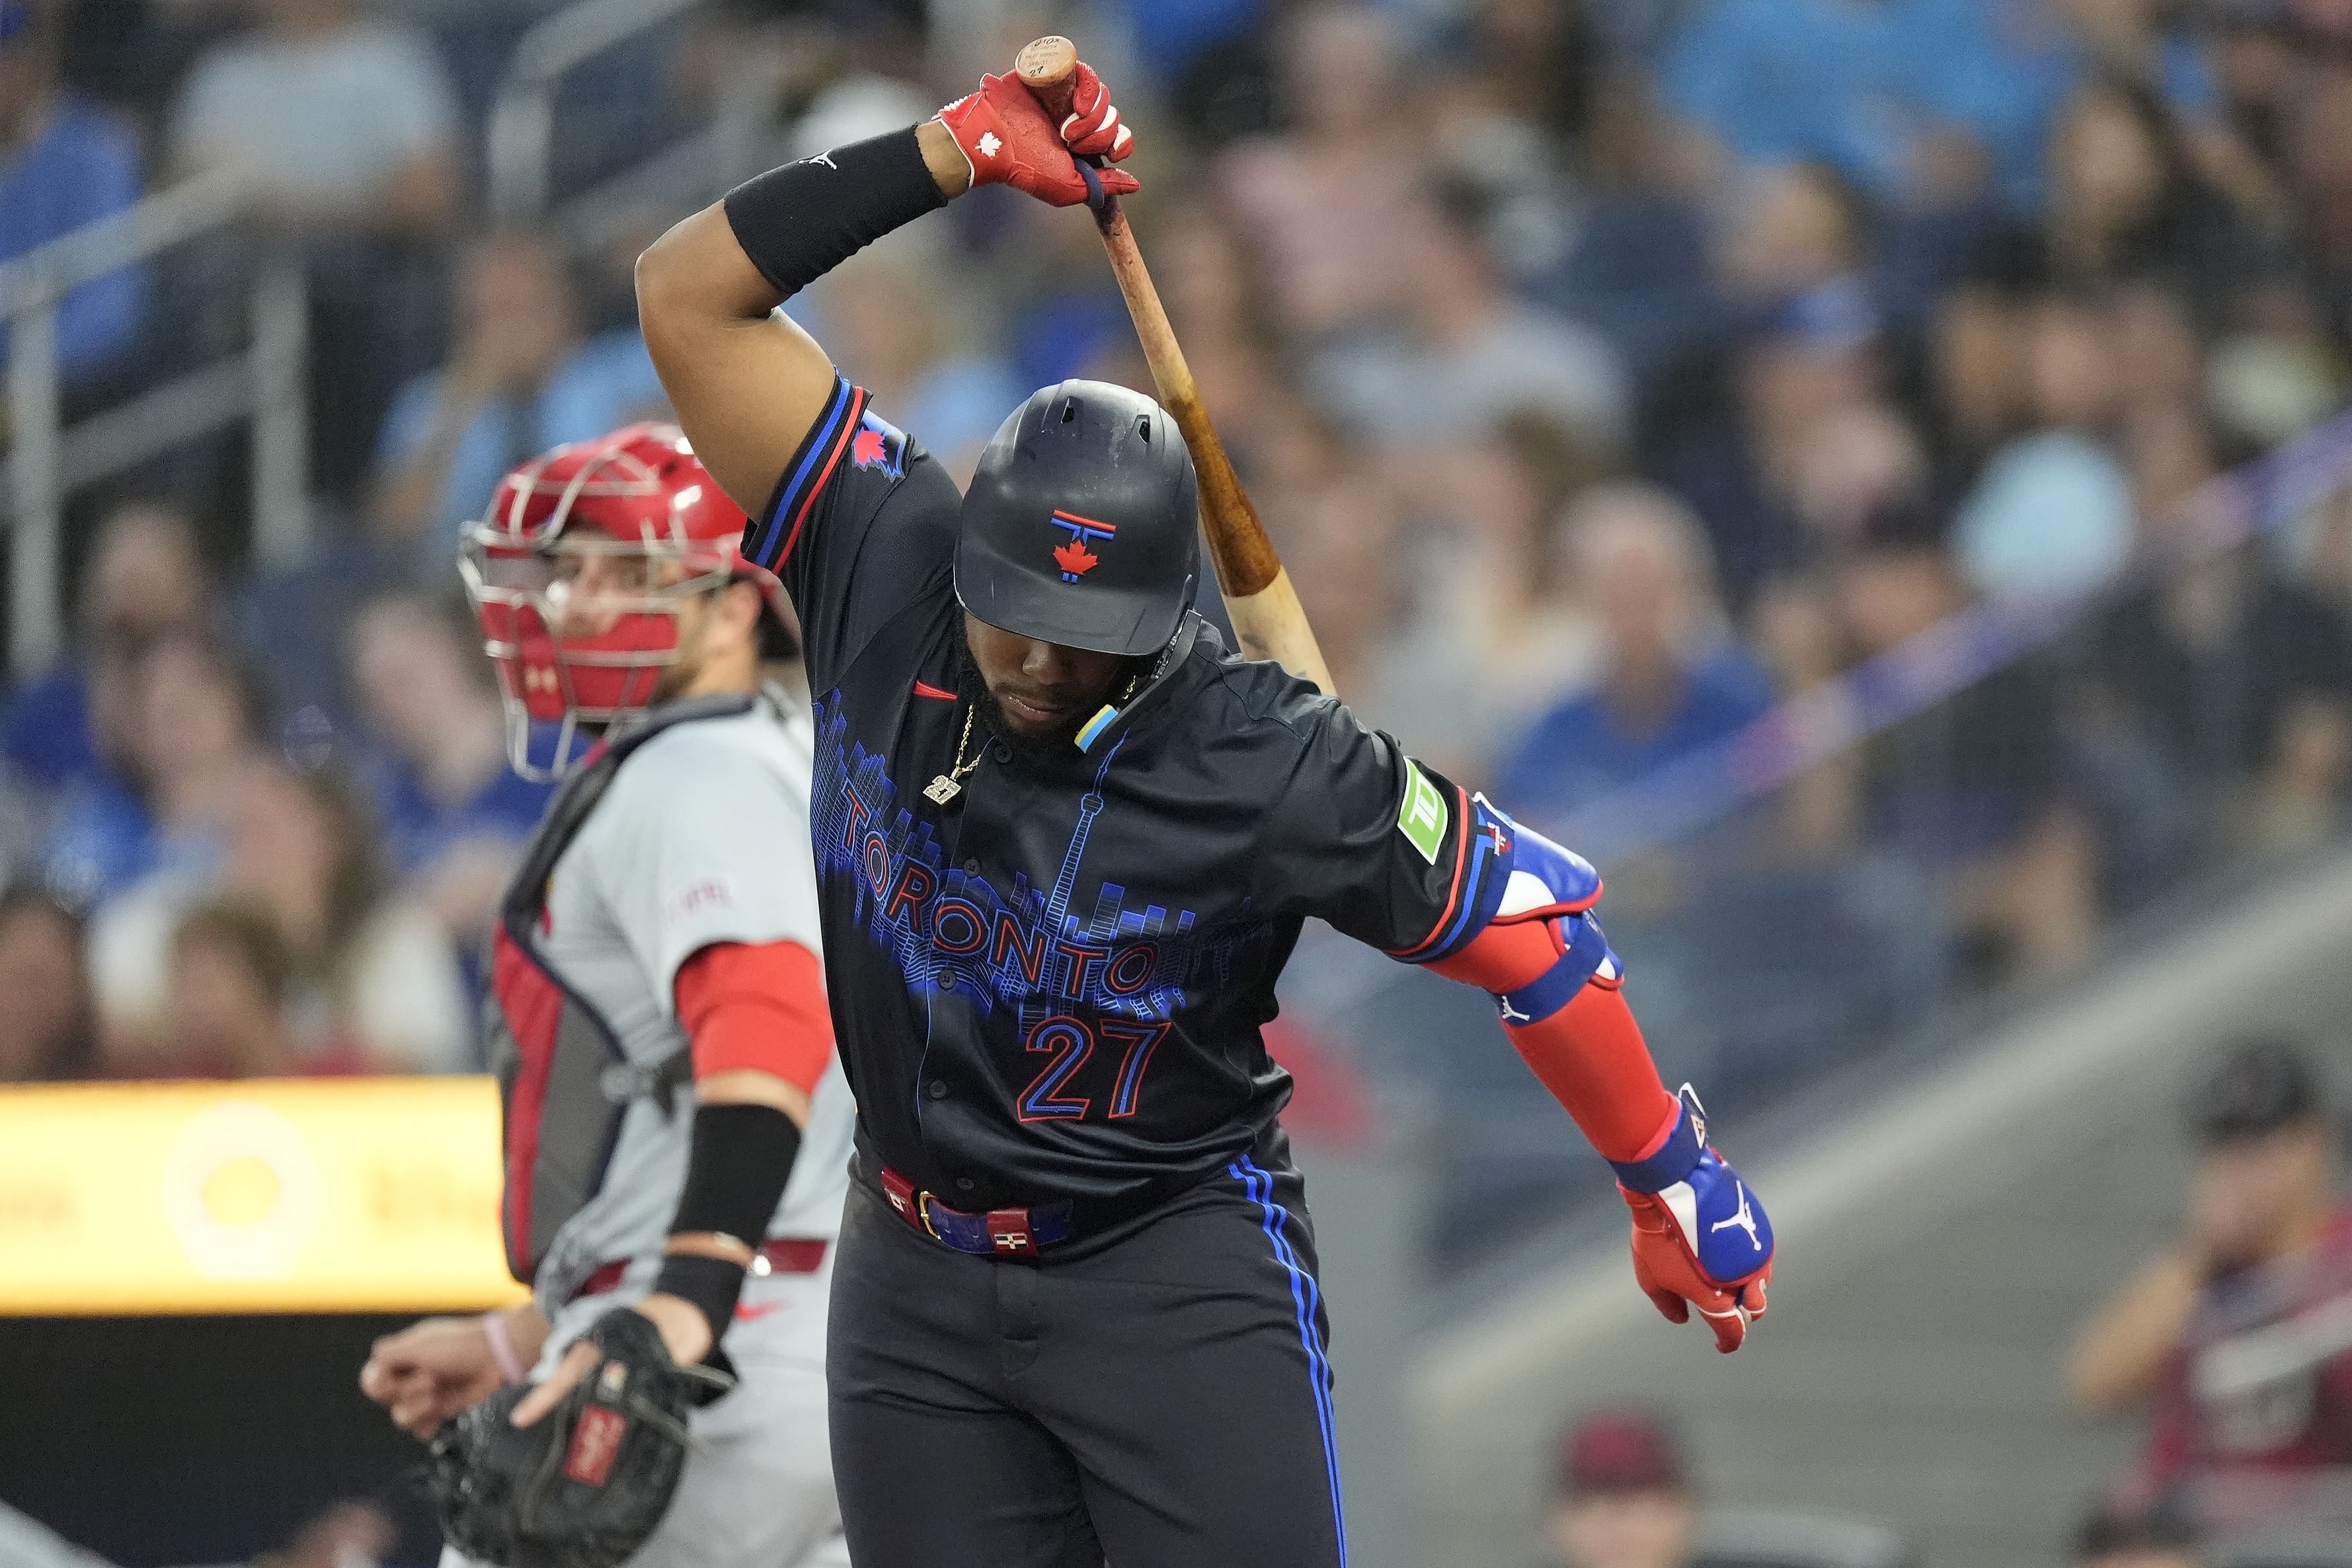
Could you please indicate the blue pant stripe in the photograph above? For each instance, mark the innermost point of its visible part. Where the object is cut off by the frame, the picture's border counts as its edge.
(1259, 1186)
(1316, 1352)
(1319, 1358)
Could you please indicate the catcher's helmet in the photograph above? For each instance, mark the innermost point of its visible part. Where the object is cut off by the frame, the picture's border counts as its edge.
(1081, 526)
(577, 576)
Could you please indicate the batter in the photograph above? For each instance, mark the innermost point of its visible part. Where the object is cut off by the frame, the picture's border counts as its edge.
(1064, 842)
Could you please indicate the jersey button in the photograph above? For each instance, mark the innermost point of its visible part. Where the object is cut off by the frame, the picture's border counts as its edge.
(965, 1184)
(938, 1090)
(1000, 752)
(972, 868)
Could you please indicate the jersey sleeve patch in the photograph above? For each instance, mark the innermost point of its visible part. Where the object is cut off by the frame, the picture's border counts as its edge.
(1422, 815)
(1482, 869)
(698, 899)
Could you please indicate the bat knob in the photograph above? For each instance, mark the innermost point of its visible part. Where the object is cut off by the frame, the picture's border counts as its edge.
(1045, 67)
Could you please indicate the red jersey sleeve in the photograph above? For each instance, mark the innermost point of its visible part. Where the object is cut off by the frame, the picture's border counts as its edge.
(756, 1005)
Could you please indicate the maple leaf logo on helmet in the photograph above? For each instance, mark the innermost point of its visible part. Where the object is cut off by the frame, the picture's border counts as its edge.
(1072, 556)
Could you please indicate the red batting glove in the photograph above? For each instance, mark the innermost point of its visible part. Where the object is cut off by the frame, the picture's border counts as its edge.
(1092, 128)
(1008, 139)
(1669, 1273)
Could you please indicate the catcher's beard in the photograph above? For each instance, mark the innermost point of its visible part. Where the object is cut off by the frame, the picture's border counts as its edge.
(685, 661)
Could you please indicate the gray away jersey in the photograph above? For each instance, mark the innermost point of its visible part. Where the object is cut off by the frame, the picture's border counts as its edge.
(696, 839)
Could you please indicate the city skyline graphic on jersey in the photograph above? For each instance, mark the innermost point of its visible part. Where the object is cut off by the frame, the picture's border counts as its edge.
(953, 932)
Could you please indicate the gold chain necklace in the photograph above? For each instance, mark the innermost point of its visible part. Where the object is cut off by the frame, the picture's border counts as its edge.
(945, 788)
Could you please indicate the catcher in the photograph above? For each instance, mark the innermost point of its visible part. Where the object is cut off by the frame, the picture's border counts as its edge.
(677, 1131)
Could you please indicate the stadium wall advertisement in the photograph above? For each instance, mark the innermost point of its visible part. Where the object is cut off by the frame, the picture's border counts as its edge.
(319, 1195)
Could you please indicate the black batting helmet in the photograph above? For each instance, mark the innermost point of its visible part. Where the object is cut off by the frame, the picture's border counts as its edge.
(1080, 526)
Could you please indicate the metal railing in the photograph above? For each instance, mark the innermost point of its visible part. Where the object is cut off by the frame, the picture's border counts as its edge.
(47, 460)
(1972, 813)
(523, 120)
(264, 384)
(522, 137)
(1812, 727)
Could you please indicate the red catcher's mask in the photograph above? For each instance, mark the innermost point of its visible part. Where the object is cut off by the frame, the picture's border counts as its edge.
(578, 574)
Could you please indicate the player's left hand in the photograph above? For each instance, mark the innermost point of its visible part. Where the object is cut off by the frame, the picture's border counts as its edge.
(1009, 140)
(1704, 1242)
(685, 1334)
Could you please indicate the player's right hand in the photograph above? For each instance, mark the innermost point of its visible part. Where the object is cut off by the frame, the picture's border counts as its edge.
(1704, 1242)
(1009, 140)
(430, 1371)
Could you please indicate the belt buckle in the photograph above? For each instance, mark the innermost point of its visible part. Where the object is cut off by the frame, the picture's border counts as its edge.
(923, 1215)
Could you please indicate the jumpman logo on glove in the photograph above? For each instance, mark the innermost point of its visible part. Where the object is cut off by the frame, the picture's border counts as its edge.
(1744, 1218)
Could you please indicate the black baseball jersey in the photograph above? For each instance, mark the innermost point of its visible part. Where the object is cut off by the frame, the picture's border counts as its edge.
(1051, 985)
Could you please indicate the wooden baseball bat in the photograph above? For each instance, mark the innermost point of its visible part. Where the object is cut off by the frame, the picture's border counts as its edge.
(1259, 598)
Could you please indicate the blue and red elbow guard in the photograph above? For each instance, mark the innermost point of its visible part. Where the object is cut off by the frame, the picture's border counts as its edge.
(1700, 1238)
(1555, 982)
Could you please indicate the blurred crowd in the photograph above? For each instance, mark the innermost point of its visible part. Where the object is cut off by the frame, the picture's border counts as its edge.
(2233, 1344)
(1605, 371)
(2230, 1349)
(1625, 1495)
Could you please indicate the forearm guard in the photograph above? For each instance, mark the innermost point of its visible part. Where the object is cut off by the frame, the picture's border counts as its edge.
(1557, 986)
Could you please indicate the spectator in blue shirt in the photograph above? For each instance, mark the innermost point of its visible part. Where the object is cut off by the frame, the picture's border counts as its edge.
(454, 814)
(190, 726)
(2005, 69)
(521, 379)
(1671, 681)
(63, 164)
(144, 577)
(1776, 80)
(1871, 88)
(68, 735)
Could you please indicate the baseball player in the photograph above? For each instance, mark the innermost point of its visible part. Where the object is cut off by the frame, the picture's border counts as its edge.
(677, 1130)
(1064, 842)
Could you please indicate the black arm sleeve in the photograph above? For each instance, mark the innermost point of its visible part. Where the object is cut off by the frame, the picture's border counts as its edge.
(737, 1166)
(799, 222)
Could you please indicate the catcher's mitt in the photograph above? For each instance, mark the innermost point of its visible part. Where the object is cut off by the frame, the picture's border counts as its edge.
(585, 1484)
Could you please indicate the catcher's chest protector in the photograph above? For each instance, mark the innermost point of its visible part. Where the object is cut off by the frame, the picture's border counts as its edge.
(564, 1083)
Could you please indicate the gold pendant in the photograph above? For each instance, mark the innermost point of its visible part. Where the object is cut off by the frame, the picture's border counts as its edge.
(941, 790)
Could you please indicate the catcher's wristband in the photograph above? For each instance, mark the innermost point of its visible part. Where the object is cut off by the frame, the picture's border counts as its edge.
(713, 1285)
(511, 1370)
